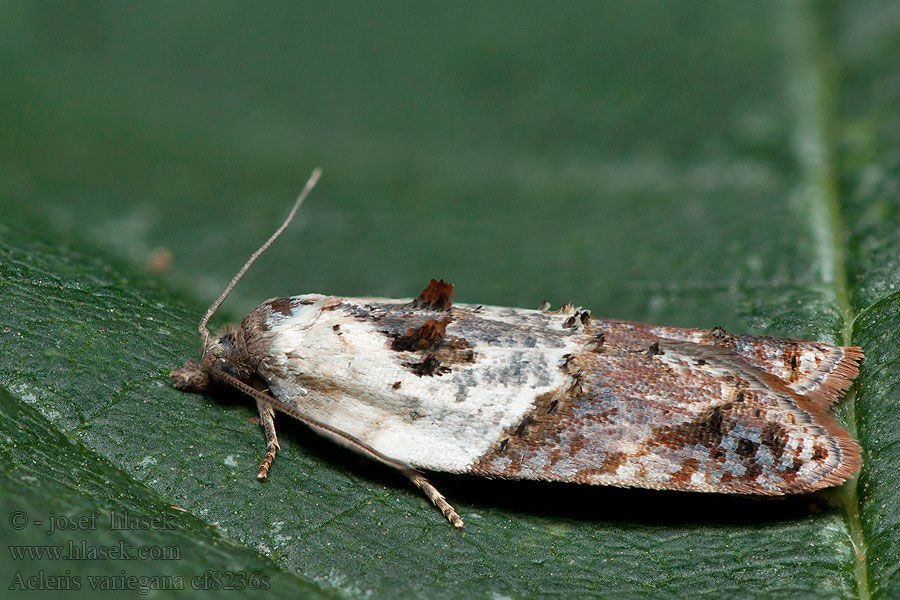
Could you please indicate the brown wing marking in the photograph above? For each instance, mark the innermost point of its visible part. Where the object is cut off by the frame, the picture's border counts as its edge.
(815, 369)
(657, 419)
(437, 295)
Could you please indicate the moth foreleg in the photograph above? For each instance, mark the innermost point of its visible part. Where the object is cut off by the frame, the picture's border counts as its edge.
(190, 377)
(267, 420)
(435, 496)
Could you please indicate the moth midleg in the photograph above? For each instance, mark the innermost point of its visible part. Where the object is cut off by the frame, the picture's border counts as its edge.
(264, 404)
(435, 496)
(267, 420)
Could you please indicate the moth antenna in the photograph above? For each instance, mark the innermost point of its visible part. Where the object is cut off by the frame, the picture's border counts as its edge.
(310, 184)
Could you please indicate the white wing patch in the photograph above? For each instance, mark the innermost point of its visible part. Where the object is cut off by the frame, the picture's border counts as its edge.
(357, 384)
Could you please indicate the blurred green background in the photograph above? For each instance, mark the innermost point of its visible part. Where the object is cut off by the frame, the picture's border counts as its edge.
(569, 153)
(691, 163)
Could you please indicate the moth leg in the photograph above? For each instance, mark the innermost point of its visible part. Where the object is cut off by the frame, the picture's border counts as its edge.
(435, 496)
(190, 377)
(267, 420)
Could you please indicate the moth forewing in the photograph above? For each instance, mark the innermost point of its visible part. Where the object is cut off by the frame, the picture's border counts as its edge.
(538, 394)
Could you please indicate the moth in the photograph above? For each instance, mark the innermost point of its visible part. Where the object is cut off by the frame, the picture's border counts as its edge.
(430, 385)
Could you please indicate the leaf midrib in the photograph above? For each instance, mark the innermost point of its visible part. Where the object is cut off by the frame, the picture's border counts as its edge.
(819, 115)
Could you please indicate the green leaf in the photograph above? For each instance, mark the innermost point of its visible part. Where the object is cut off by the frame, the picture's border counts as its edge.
(77, 523)
(692, 164)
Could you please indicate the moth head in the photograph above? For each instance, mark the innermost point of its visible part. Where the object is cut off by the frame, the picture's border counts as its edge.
(226, 352)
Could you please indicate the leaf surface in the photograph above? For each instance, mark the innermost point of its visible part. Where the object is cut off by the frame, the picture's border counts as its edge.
(695, 165)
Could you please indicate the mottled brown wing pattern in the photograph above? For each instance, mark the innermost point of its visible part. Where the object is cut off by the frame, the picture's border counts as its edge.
(815, 369)
(697, 410)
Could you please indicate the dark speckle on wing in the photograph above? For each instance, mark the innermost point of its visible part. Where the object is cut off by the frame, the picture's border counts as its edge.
(430, 346)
